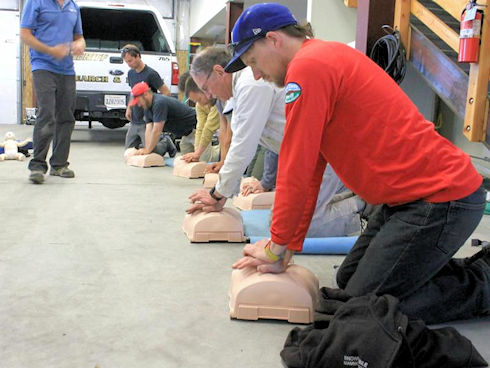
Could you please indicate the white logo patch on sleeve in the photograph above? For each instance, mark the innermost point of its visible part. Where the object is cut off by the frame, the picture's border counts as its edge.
(293, 91)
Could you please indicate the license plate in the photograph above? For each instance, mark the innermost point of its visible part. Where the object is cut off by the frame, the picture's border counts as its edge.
(115, 101)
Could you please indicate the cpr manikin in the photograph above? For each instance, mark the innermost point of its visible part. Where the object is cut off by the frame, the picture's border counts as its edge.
(210, 180)
(11, 148)
(290, 295)
(153, 159)
(206, 227)
(189, 170)
(253, 201)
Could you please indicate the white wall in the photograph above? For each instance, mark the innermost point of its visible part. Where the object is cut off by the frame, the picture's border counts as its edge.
(202, 11)
(9, 5)
(332, 20)
(10, 67)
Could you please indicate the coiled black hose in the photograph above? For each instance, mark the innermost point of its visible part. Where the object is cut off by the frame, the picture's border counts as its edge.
(388, 52)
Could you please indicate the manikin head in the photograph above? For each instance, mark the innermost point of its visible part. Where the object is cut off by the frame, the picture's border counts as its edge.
(266, 37)
(208, 71)
(10, 136)
(142, 95)
(132, 56)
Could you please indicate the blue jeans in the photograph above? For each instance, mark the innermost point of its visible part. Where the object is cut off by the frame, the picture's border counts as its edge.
(407, 250)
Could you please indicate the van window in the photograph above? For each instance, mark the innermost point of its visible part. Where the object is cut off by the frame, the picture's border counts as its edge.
(111, 29)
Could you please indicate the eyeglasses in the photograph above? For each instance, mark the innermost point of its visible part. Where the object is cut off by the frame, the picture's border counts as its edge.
(204, 86)
(131, 50)
(232, 47)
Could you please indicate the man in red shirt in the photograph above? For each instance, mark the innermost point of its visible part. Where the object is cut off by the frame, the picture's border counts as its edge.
(343, 109)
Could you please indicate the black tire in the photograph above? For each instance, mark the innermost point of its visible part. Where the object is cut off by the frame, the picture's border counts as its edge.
(113, 123)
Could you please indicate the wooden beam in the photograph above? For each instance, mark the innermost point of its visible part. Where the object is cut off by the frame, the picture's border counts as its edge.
(436, 25)
(233, 11)
(402, 22)
(371, 16)
(476, 117)
(441, 73)
(453, 7)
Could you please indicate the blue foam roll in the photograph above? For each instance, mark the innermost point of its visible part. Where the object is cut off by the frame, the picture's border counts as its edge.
(256, 223)
(333, 245)
(169, 161)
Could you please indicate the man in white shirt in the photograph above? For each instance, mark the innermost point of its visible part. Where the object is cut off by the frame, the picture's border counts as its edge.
(258, 117)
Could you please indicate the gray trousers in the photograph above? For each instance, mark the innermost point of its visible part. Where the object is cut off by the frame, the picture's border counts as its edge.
(55, 121)
(135, 137)
(187, 143)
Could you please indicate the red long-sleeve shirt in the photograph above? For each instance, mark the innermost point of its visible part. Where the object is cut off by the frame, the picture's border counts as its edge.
(344, 109)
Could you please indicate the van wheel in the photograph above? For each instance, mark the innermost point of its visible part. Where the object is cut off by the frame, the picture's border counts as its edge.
(113, 123)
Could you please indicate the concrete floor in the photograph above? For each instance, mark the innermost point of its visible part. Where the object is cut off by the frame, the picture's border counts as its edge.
(96, 272)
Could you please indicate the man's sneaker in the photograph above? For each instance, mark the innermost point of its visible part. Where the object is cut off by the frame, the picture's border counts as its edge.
(171, 148)
(37, 177)
(63, 172)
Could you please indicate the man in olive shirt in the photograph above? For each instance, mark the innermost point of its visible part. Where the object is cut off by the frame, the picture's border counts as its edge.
(208, 121)
(164, 113)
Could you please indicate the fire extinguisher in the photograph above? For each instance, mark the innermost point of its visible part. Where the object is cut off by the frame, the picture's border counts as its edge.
(469, 35)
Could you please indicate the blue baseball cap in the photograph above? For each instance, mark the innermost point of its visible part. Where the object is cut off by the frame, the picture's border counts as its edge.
(253, 24)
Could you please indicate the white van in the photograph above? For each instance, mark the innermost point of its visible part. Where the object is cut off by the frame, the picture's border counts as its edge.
(102, 86)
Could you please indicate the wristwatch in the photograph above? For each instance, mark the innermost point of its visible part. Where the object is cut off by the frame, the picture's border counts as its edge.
(214, 196)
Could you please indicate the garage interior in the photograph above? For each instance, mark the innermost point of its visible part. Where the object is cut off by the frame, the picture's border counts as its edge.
(97, 272)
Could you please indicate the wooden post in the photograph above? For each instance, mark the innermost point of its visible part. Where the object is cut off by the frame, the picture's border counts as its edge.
(28, 98)
(233, 11)
(27, 86)
(371, 16)
(476, 115)
(402, 23)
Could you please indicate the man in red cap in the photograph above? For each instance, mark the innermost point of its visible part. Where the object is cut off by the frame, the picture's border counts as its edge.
(140, 72)
(343, 109)
(163, 113)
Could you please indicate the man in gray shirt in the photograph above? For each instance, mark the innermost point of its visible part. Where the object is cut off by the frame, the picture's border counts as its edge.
(164, 113)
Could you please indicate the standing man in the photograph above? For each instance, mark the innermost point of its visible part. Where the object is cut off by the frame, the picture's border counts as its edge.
(163, 112)
(53, 31)
(343, 109)
(140, 72)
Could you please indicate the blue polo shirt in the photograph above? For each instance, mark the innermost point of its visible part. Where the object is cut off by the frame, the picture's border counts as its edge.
(52, 24)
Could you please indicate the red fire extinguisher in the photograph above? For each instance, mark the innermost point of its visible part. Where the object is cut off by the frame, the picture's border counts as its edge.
(469, 35)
